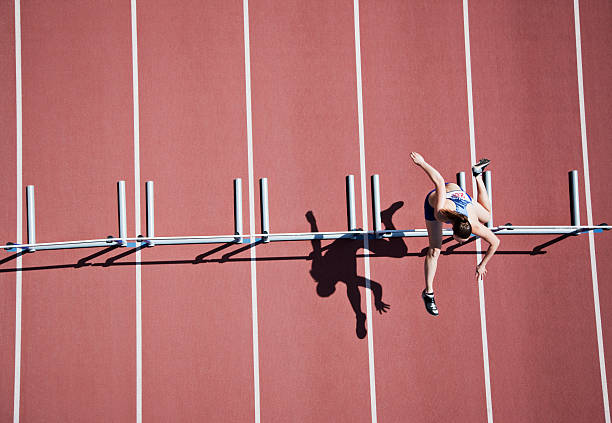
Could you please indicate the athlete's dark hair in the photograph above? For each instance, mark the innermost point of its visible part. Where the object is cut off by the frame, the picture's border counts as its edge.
(461, 226)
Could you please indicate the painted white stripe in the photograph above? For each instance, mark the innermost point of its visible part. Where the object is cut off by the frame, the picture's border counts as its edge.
(364, 211)
(483, 318)
(137, 212)
(18, 280)
(587, 190)
(252, 228)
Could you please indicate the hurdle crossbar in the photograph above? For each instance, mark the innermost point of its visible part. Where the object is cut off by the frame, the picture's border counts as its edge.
(294, 236)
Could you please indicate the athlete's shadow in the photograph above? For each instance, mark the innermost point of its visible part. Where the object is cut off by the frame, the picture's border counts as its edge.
(337, 262)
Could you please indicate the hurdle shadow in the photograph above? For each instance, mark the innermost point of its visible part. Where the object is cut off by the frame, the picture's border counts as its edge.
(379, 248)
(337, 263)
(112, 260)
(85, 261)
(539, 249)
(13, 257)
(200, 258)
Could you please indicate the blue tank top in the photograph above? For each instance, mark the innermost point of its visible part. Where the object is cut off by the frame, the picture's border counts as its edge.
(459, 197)
(461, 200)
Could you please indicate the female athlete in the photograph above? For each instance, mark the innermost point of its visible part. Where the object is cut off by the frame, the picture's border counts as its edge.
(456, 207)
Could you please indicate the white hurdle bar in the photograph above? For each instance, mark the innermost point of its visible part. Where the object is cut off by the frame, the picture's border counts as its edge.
(122, 213)
(574, 198)
(487, 182)
(350, 203)
(304, 236)
(265, 217)
(31, 217)
(150, 212)
(376, 203)
(461, 180)
(238, 209)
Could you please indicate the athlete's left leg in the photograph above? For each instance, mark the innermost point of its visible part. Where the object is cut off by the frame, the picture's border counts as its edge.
(483, 204)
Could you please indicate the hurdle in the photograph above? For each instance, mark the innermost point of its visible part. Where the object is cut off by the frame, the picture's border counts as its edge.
(266, 236)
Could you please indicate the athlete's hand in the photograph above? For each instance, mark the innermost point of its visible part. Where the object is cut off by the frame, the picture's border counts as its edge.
(481, 271)
(417, 158)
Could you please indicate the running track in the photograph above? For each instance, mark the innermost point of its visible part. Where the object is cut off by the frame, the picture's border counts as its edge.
(203, 356)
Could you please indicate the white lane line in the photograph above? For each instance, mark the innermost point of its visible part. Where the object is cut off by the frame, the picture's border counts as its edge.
(252, 229)
(483, 318)
(587, 190)
(364, 210)
(137, 213)
(18, 280)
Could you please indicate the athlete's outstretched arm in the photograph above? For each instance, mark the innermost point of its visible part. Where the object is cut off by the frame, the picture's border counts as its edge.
(434, 175)
(486, 234)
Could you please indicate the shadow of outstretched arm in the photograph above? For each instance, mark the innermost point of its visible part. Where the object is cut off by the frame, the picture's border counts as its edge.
(376, 289)
(316, 243)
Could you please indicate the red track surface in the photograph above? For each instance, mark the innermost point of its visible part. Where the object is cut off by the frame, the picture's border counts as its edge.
(197, 342)
(78, 324)
(78, 327)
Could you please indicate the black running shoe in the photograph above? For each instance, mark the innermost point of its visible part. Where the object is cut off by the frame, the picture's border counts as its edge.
(479, 167)
(430, 303)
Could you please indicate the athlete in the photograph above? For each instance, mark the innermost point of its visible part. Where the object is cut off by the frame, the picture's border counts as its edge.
(456, 207)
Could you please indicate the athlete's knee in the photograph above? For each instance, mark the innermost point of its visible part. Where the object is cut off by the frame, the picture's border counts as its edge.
(486, 217)
(433, 253)
(483, 213)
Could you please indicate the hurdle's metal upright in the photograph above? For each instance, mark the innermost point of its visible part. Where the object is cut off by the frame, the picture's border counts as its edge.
(31, 217)
(350, 202)
(265, 218)
(574, 198)
(461, 180)
(150, 213)
(487, 181)
(122, 213)
(376, 203)
(238, 209)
